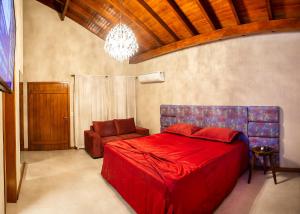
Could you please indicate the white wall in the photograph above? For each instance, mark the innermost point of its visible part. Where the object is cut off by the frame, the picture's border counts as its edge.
(254, 70)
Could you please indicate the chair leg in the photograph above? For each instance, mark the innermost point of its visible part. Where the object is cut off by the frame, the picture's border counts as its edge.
(250, 171)
(273, 168)
(265, 164)
(251, 167)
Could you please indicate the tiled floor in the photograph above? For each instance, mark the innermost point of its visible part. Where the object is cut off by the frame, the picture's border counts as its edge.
(69, 182)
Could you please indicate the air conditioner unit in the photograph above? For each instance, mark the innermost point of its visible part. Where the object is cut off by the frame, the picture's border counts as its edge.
(152, 78)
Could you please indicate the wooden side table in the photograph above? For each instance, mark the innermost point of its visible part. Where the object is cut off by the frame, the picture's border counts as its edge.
(265, 152)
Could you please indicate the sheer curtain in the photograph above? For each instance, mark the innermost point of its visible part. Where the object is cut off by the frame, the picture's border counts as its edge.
(123, 97)
(101, 98)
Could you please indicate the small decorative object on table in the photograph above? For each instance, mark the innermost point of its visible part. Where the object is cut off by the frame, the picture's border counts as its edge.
(264, 151)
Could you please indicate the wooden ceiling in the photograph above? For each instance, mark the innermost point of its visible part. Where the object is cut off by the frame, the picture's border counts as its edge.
(164, 26)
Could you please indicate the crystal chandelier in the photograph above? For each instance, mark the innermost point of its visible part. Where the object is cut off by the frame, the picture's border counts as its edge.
(121, 43)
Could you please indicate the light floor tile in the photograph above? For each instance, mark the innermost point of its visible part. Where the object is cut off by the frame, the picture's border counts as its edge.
(60, 182)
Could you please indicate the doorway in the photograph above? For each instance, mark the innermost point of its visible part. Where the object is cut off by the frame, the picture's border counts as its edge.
(48, 116)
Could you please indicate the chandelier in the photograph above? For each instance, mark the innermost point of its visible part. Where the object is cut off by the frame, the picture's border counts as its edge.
(121, 43)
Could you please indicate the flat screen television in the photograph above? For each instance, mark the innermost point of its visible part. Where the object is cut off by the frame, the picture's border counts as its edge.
(7, 45)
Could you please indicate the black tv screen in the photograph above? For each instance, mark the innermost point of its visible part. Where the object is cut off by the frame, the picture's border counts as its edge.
(7, 45)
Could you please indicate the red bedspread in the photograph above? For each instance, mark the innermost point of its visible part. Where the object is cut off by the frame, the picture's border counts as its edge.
(168, 173)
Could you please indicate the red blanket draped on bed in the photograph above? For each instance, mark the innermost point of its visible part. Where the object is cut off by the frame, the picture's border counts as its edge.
(168, 173)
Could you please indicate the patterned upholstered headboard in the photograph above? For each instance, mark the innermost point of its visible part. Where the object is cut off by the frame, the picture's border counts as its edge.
(259, 123)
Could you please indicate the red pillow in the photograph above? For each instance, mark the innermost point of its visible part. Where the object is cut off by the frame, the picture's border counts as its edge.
(182, 129)
(105, 128)
(218, 134)
(125, 126)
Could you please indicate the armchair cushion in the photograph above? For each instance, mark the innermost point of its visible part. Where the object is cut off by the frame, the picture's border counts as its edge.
(142, 131)
(110, 138)
(105, 128)
(125, 126)
(130, 136)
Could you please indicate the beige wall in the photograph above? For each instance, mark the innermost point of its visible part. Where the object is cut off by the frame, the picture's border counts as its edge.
(18, 70)
(256, 70)
(53, 50)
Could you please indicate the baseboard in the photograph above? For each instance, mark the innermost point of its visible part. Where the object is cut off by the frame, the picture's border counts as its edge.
(287, 169)
(21, 178)
(73, 147)
(280, 169)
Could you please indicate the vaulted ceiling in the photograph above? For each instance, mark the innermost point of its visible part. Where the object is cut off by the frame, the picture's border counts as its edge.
(164, 26)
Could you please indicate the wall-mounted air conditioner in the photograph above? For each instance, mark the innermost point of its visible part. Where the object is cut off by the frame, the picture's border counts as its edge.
(152, 78)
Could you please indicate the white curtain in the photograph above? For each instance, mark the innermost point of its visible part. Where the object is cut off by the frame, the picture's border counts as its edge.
(122, 97)
(101, 98)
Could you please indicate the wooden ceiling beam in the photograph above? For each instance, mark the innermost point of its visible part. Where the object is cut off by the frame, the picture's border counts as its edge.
(116, 4)
(211, 13)
(269, 9)
(60, 2)
(66, 6)
(82, 22)
(56, 5)
(158, 19)
(79, 11)
(82, 17)
(182, 17)
(97, 7)
(283, 25)
(233, 9)
(205, 14)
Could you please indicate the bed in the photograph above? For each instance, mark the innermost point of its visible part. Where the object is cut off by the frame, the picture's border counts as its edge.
(170, 173)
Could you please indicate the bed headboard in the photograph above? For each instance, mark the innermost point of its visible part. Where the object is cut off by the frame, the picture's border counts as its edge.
(259, 123)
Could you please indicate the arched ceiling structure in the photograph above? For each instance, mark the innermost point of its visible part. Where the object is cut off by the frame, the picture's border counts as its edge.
(165, 26)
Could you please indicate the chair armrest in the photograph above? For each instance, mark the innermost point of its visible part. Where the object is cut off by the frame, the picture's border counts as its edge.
(93, 143)
(95, 135)
(91, 133)
(91, 137)
(91, 128)
(142, 131)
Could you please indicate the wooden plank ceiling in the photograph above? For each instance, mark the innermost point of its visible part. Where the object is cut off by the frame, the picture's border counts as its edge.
(164, 26)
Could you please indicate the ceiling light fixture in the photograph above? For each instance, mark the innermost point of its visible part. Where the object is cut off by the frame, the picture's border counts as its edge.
(121, 42)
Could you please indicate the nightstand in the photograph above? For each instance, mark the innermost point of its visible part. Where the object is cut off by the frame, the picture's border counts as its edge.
(265, 152)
